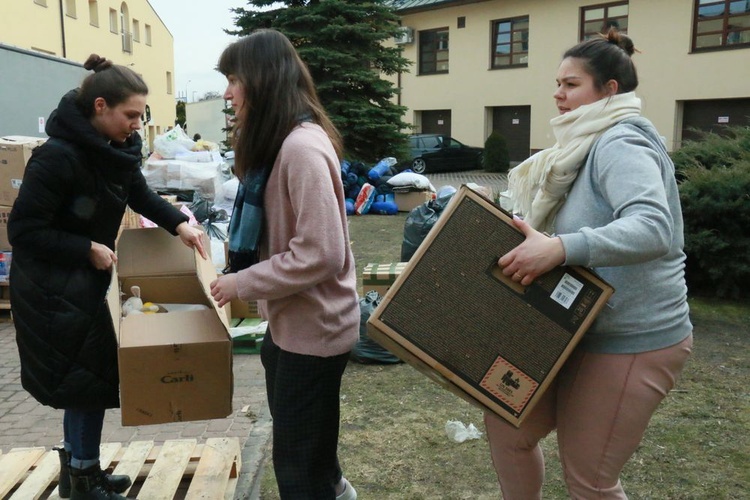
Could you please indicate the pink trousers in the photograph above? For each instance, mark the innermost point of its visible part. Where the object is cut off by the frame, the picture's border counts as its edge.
(600, 405)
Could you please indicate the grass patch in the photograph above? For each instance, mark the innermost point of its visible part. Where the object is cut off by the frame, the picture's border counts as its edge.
(393, 444)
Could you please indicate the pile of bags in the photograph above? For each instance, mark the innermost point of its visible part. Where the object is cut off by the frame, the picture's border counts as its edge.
(179, 164)
(371, 190)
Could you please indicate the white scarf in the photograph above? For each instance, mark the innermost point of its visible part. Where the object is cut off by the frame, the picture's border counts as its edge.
(538, 186)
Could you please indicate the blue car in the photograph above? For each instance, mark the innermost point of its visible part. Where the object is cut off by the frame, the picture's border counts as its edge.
(440, 153)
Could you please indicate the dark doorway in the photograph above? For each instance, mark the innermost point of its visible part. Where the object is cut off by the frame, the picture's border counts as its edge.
(713, 116)
(437, 122)
(514, 124)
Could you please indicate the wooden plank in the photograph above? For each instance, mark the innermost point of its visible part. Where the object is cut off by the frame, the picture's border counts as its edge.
(45, 473)
(107, 452)
(14, 465)
(166, 474)
(214, 469)
(132, 461)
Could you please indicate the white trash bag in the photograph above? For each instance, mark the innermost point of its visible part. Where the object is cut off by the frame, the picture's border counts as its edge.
(173, 142)
(459, 432)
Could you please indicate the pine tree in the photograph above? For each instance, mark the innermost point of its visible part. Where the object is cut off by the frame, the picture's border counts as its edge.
(341, 41)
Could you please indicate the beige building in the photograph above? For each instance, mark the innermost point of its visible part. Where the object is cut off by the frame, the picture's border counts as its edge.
(129, 32)
(480, 66)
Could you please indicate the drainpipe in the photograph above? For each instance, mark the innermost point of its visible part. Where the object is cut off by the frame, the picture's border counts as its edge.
(62, 30)
(398, 82)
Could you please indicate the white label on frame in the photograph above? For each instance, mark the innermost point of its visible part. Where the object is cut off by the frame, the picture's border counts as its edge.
(723, 119)
(567, 290)
(515, 121)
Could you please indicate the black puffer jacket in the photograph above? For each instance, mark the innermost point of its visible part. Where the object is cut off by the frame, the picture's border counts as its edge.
(74, 191)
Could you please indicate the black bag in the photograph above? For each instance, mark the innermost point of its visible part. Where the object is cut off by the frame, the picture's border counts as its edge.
(421, 219)
(367, 350)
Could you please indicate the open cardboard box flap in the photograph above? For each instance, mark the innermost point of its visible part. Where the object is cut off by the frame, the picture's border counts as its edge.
(145, 253)
(173, 366)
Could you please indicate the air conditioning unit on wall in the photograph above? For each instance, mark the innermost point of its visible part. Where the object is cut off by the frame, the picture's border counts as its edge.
(405, 35)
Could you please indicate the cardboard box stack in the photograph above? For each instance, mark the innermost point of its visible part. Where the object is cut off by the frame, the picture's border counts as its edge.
(174, 366)
(15, 151)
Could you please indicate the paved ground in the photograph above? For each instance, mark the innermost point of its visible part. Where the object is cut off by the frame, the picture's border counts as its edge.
(497, 181)
(24, 422)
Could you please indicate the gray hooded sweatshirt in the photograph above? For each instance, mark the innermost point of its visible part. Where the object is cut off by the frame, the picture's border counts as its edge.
(622, 217)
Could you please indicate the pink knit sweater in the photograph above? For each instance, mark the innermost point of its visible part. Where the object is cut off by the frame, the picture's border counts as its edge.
(306, 283)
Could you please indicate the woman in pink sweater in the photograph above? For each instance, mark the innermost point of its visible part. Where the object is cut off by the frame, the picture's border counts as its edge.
(289, 249)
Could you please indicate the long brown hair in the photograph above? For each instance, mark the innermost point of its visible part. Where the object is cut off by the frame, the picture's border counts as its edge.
(279, 92)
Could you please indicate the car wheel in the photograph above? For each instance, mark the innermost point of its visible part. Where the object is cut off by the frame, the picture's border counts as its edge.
(419, 165)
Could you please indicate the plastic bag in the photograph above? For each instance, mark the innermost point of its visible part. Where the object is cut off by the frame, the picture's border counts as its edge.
(173, 142)
(367, 350)
(459, 432)
(209, 216)
(421, 219)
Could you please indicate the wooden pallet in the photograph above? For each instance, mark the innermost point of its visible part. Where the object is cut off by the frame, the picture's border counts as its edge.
(179, 468)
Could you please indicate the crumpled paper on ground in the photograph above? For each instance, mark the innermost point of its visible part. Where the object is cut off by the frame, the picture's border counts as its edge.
(459, 432)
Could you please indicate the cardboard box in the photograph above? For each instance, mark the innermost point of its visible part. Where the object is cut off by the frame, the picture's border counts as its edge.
(380, 277)
(4, 214)
(174, 366)
(453, 315)
(239, 308)
(406, 201)
(15, 151)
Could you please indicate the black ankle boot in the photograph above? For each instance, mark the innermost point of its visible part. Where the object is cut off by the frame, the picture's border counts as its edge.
(92, 484)
(63, 484)
(118, 483)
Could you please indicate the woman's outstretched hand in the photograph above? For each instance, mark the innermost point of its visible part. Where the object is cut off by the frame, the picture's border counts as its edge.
(224, 289)
(192, 236)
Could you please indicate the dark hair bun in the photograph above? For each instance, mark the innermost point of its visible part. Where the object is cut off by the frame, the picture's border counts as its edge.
(97, 63)
(614, 37)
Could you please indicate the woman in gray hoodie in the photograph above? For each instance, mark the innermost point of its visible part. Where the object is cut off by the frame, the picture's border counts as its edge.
(606, 192)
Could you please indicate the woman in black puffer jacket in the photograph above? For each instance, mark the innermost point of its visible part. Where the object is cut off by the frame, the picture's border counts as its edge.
(63, 227)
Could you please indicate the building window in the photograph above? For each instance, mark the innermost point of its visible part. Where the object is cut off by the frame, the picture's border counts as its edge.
(721, 24)
(113, 20)
(93, 13)
(511, 43)
(433, 51)
(169, 82)
(70, 8)
(147, 33)
(597, 19)
(136, 31)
